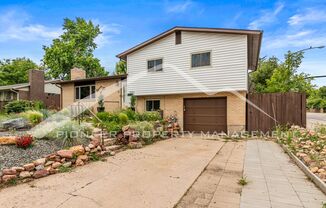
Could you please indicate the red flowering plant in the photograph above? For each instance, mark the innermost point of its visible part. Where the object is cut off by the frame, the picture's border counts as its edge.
(24, 141)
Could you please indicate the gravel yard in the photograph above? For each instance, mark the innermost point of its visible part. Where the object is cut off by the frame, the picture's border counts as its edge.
(11, 156)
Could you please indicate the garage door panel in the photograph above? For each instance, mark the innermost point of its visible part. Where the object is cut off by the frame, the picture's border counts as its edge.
(204, 111)
(206, 119)
(207, 128)
(205, 114)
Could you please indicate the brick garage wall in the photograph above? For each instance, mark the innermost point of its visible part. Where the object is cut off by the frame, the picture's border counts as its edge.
(173, 104)
(111, 91)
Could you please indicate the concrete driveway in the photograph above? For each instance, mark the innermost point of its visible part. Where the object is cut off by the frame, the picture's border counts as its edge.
(155, 176)
(315, 118)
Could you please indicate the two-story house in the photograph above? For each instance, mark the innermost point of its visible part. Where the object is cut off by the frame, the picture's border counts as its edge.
(198, 74)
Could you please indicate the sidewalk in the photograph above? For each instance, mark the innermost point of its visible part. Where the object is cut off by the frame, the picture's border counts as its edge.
(275, 181)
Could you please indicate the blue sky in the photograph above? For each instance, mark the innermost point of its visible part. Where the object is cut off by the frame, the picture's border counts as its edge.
(27, 25)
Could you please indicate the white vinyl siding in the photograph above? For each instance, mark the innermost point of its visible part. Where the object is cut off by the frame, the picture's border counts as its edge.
(227, 70)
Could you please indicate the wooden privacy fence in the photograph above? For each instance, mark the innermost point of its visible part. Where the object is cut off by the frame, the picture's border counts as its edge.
(267, 110)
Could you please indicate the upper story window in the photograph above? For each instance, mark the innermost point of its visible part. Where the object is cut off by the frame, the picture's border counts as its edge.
(201, 59)
(153, 105)
(85, 92)
(155, 65)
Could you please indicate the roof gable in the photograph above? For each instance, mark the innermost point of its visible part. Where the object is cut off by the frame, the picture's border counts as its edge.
(254, 41)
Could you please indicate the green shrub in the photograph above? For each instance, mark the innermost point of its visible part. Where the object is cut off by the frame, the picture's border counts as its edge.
(38, 105)
(151, 116)
(123, 118)
(34, 117)
(64, 169)
(93, 157)
(18, 106)
(108, 117)
(145, 130)
(70, 133)
(132, 115)
(104, 116)
(113, 126)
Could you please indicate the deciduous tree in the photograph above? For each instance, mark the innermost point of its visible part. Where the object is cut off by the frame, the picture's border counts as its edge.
(15, 71)
(74, 48)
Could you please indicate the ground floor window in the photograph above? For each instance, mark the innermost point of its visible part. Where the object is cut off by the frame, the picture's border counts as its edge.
(7, 96)
(153, 105)
(85, 92)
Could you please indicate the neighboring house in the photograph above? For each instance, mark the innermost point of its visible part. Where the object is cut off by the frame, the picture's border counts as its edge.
(35, 89)
(199, 74)
(87, 90)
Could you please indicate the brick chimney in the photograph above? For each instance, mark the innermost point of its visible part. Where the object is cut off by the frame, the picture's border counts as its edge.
(76, 73)
(36, 81)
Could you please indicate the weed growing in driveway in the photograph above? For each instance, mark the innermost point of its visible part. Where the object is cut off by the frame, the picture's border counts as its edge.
(64, 169)
(94, 157)
(243, 181)
(12, 182)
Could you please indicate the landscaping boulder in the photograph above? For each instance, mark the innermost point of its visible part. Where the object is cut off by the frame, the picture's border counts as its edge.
(25, 174)
(78, 150)
(67, 164)
(17, 123)
(56, 165)
(39, 167)
(40, 161)
(8, 171)
(82, 157)
(18, 169)
(95, 143)
(40, 173)
(7, 178)
(113, 147)
(48, 163)
(29, 166)
(135, 145)
(66, 153)
(108, 142)
(79, 162)
(7, 140)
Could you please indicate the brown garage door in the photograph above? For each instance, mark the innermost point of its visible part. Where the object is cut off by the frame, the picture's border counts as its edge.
(205, 114)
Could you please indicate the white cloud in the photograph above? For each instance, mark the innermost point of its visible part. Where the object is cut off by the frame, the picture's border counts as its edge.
(310, 16)
(300, 34)
(180, 7)
(300, 39)
(267, 17)
(108, 31)
(14, 26)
